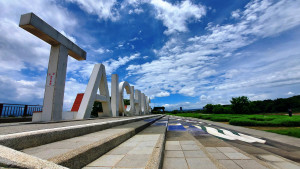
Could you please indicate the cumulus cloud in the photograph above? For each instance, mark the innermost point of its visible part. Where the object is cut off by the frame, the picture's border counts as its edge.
(208, 64)
(111, 65)
(104, 9)
(102, 50)
(163, 94)
(175, 17)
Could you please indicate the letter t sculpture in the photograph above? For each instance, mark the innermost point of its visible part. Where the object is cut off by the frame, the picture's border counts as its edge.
(61, 47)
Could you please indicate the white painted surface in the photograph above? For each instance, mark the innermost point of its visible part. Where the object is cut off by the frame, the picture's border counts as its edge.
(69, 115)
(54, 93)
(115, 95)
(37, 116)
(230, 136)
(137, 101)
(132, 110)
(97, 80)
(143, 103)
(123, 85)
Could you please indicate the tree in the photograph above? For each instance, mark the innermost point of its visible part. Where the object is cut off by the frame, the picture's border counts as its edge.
(240, 105)
(209, 108)
(218, 109)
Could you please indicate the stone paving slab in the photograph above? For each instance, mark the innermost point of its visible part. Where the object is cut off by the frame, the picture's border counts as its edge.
(189, 155)
(140, 151)
(78, 151)
(10, 158)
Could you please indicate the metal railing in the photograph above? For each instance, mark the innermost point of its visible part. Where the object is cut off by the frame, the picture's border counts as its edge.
(15, 110)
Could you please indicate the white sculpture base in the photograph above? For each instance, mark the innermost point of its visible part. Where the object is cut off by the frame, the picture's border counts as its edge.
(69, 115)
(36, 116)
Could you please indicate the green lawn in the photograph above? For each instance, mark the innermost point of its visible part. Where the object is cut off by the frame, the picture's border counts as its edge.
(248, 120)
(293, 131)
(254, 120)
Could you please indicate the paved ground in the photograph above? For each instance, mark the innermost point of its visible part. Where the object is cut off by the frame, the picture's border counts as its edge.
(190, 143)
(232, 149)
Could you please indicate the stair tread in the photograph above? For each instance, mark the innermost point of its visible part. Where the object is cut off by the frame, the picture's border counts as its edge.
(54, 149)
(138, 151)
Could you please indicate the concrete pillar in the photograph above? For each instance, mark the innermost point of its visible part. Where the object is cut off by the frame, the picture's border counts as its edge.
(55, 83)
(137, 102)
(132, 104)
(143, 104)
(147, 105)
(115, 95)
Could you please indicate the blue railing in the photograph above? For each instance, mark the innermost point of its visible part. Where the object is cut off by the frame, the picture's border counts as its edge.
(15, 110)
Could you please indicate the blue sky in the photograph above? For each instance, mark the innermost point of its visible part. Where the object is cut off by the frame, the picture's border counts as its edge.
(180, 53)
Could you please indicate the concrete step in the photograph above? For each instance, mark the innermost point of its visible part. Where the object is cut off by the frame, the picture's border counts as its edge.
(21, 136)
(144, 150)
(77, 152)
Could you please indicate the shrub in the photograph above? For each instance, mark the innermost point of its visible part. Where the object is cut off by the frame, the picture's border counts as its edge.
(220, 119)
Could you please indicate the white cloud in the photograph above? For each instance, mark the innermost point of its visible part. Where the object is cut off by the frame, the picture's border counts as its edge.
(104, 9)
(191, 63)
(175, 17)
(136, 11)
(290, 93)
(163, 94)
(235, 14)
(14, 91)
(188, 91)
(102, 50)
(111, 65)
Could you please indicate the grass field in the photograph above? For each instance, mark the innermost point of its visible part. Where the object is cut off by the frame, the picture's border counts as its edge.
(290, 125)
(292, 131)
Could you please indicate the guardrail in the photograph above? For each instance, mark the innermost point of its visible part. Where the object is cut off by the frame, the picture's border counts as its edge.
(16, 110)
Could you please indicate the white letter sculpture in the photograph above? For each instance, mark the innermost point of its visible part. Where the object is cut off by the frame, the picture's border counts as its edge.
(123, 85)
(115, 95)
(97, 80)
(137, 102)
(61, 47)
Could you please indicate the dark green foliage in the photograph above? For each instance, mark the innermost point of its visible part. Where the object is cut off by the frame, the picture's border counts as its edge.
(209, 108)
(240, 105)
(126, 102)
(217, 109)
(97, 107)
